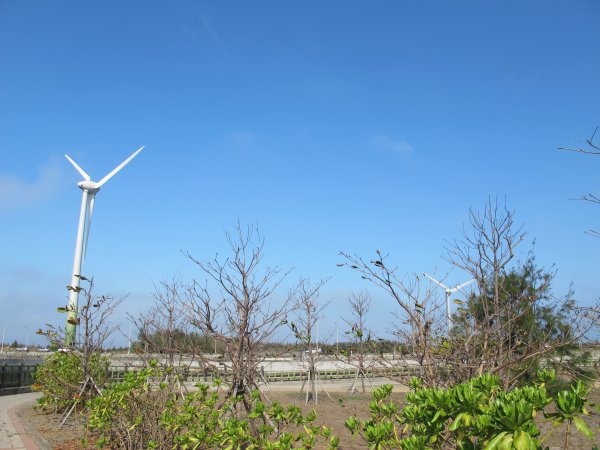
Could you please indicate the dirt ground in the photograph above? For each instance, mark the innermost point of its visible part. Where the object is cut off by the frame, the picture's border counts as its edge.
(332, 413)
(46, 424)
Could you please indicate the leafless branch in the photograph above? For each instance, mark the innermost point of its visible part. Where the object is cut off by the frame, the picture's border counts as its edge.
(593, 149)
(238, 308)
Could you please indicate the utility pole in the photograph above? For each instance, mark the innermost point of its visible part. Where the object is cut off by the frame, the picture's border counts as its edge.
(3, 331)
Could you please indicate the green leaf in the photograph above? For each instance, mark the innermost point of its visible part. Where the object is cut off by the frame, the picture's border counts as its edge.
(582, 426)
(506, 443)
(493, 444)
(457, 422)
(522, 440)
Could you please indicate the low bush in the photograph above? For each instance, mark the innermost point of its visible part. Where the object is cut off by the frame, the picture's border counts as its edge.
(59, 378)
(145, 412)
(150, 410)
(474, 415)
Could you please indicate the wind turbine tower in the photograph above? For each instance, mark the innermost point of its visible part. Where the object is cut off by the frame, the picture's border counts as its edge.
(449, 292)
(90, 189)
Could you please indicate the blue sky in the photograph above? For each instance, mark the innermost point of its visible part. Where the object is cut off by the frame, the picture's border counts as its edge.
(337, 125)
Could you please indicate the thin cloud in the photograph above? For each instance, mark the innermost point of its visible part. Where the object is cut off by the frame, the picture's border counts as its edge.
(202, 33)
(387, 144)
(210, 31)
(17, 193)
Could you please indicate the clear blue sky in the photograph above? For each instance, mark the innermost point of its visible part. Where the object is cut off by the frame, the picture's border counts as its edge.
(338, 125)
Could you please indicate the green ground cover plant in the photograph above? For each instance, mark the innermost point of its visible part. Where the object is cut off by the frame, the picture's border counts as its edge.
(151, 409)
(478, 414)
(144, 411)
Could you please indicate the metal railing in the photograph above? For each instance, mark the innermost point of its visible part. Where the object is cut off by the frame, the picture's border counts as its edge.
(197, 374)
(16, 378)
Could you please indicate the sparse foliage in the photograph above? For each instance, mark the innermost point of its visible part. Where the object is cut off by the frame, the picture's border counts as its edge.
(73, 375)
(513, 320)
(239, 309)
(592, 149)
(361, 337)
(165, 329)
(508, 326)
(308, 313)
(419, 322)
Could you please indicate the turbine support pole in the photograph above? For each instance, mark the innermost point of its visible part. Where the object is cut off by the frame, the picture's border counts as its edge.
(89, 188)
(448, 312)
(74, 289)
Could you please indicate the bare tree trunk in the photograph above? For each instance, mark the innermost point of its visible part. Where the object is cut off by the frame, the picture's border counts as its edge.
(309, 312)
(419, 312)
(243, 316)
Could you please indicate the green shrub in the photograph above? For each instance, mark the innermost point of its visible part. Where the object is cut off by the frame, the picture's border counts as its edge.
(128, 414)
(145, 412)
(60, 379)
(473, 415)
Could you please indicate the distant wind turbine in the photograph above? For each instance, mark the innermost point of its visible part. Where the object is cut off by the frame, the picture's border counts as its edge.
(449, 291)
(90, 189)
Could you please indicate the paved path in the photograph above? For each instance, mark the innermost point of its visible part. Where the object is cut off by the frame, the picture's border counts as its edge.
(13, 434)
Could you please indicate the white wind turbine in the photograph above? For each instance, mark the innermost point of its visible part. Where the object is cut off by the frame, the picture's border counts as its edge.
(90, 189)
(449, 291)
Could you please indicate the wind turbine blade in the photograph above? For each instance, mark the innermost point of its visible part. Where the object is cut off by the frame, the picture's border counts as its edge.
(119, 167)
(460, 286)
(88, 223)
(85, 176)
(435, 281)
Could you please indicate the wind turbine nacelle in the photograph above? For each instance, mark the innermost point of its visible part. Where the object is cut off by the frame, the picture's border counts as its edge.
(89, 186)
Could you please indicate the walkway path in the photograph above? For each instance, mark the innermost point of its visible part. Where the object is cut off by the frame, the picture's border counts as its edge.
(13, 434)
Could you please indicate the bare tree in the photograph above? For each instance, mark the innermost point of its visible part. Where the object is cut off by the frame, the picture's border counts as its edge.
(508, 326)
(165, 330)
(484, 252)
(241, 312)
(309, 312)
(591, 149)
(95, 330)
(94, 326)
(513, 320)
(419, 322)
(359, 305)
